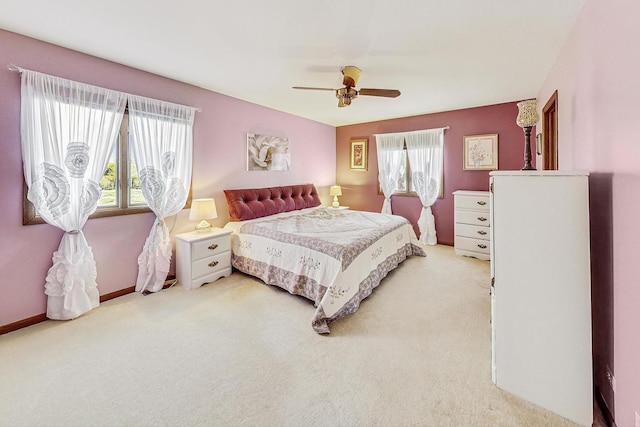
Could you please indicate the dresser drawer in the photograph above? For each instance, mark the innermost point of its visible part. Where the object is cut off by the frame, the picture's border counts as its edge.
(209, 247)
(472, 245)
(471, 217)
(473, 231)
(211, 264)
(479, 203)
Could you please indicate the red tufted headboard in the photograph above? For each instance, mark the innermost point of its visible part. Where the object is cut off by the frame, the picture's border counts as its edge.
(258, 202)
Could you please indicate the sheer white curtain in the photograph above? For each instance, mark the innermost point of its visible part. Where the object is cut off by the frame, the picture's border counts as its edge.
(390, 153)
(426, 150)
(68, 131)
(162, 135)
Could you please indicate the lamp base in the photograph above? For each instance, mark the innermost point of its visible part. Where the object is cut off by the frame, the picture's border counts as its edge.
(527, 149)
(203, 227)
(335, 203)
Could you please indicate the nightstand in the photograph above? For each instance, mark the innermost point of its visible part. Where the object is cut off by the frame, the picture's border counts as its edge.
(202, 257)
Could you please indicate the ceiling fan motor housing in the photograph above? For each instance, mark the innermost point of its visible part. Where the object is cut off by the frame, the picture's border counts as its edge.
(345, 95)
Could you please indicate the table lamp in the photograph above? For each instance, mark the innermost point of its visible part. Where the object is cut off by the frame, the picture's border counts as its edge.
(527, 118)
(202, 210)
(335, 191)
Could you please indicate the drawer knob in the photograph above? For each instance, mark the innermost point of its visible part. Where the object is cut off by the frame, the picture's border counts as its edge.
(481, 218)
(482, 232)
(481, 202)
(482, 246)
(213, 263)
(213, 246)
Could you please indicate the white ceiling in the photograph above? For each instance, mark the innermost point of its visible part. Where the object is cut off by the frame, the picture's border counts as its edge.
(441, 54)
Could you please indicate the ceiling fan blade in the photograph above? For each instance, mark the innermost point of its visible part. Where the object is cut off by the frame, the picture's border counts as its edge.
(313, 88)
(387, 93)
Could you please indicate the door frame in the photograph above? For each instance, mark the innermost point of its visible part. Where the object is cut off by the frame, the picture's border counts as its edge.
(550, 133)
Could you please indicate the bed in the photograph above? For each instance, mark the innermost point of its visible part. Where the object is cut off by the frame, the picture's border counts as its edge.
(335, 258)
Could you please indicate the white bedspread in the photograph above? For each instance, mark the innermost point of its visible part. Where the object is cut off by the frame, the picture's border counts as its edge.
(333, 257)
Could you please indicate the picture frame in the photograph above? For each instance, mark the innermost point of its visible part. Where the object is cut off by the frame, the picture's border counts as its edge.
(359, 154)
(267, 153)
(480, 152)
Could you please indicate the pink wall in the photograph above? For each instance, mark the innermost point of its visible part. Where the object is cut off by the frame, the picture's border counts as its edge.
(219, 163)
(596, 76)
(359, 188)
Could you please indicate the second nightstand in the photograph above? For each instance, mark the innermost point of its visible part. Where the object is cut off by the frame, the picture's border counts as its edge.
(202, 257)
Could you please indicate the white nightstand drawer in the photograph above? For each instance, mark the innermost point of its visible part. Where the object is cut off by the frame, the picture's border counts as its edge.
(474, 245)
(211, 264)
(471, 217)
(213, 246)
(473, 231)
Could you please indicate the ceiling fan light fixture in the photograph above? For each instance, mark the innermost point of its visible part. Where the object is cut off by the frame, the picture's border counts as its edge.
(351, 76)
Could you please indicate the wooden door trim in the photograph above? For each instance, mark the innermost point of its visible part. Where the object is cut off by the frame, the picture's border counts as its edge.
(550, 133)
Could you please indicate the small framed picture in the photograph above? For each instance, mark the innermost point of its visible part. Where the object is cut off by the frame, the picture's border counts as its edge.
(481, 152)
(358, 154)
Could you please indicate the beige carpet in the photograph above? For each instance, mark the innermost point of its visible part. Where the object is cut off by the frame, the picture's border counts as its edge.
(239, 353)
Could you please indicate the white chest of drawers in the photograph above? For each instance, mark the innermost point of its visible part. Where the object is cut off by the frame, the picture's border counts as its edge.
(202, 257)
(472, 224)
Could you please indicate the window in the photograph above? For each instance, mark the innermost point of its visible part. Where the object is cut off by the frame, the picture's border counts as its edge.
(120, 183)
(121, 192)
(404, 186)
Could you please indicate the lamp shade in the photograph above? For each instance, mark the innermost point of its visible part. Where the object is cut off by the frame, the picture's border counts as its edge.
(203, 209)
(527, 113)
(335, 190)
(351, 76)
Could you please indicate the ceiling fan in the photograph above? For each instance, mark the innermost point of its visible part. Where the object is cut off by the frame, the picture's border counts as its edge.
(346, 94)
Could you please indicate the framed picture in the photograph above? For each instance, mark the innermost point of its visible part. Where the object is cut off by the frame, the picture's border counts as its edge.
(359, 154)
(481, 152)
(267, 153)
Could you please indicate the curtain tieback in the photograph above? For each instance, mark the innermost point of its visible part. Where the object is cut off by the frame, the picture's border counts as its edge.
(73, 231)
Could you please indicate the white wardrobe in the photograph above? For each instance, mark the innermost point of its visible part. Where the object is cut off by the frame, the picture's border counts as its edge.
(541, 289)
